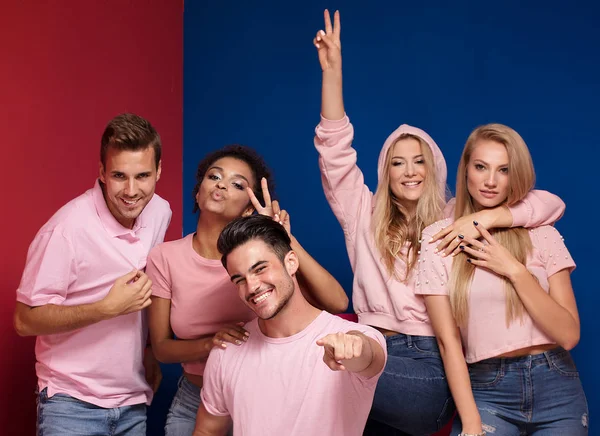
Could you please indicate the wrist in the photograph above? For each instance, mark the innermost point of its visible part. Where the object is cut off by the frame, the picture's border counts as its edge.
(104, 310)
(517, 272)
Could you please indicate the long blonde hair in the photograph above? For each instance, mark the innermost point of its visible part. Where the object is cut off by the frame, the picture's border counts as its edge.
(392, 224)
(521, 179)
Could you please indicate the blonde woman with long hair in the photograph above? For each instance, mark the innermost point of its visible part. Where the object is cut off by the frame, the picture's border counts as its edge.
(382, 238)
(507, 300)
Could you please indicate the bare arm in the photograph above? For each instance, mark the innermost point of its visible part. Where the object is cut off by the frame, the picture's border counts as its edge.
(457, 374)
(555, 312)
(317, 284)
(130, 293)
(210, 425)
(167, 349)
(329, 49)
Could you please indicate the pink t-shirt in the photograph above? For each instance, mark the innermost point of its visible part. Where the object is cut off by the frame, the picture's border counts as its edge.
(486, 334)
(281, 386)
(75, 259)
(203, 299)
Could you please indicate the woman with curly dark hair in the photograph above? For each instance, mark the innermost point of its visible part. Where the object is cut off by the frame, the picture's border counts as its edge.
(195, 307)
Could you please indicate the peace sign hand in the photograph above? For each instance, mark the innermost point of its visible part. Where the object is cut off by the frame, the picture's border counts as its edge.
(267, 209)
(328, 44)
(493, 255)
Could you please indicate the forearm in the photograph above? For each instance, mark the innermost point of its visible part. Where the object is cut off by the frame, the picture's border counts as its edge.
(495, 218)
(459, 382)
(182, 350)
(53, 319)
(332, 100)
(316, 281)
(552, 318)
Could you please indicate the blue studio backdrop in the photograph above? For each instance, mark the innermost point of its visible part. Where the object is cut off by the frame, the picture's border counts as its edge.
(251, 76)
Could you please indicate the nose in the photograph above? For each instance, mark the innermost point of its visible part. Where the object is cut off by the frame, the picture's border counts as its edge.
(410, 170)
(490, 181)
(253, 284)
(131, 188)
(221, 184)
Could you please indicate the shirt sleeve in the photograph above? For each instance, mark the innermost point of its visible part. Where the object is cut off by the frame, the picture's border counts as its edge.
(49, 270)
(212, 393)
(538, 208)
(432, 269)
(157, 269)
(553, 250)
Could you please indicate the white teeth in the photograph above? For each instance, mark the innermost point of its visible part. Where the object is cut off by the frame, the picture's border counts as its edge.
(262, 297)
(411, 183)
(129, 202)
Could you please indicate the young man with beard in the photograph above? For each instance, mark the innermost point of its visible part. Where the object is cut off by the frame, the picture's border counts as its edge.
(302, 371)
(83, 291)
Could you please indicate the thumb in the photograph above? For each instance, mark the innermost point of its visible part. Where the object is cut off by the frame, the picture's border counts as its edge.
(129, 276)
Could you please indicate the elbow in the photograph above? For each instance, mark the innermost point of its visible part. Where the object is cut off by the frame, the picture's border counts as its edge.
(570, 342)
(341, 304)
(21, 326)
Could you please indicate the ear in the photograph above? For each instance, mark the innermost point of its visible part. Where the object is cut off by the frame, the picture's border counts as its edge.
(291, 262)
(159, 170)
(248, 211)
(102, 176)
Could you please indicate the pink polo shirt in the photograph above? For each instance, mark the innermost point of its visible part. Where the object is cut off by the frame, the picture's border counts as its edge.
(75, 259)
(203, 299)
(281, 386)
(486, 334)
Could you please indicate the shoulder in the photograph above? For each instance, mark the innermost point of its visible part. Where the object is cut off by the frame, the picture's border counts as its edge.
(436, 227)
(72, 218)
(544, 234)
(158, 209)
(170, 248)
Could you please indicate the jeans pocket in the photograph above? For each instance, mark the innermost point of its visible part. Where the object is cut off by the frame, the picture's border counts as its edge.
(563, 364)
(426, 345)
(484, 375)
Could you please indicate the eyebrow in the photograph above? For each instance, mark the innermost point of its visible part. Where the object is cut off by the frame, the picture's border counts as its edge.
(487, 164)
(401, 157)
(239, 276)
(235, 175)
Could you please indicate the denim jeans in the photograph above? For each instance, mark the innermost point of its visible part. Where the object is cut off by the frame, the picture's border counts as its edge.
(181, 419)
(412, 395)
(63, 415)
(537, 395)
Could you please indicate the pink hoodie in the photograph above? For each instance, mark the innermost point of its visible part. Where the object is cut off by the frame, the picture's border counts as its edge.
(379, 299)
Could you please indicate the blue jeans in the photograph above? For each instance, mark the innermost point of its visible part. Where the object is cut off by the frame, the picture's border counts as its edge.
(181, 419)
(63, 415)
(537, 395)
(412, 395)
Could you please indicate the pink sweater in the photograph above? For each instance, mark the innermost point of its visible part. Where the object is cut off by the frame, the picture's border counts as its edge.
(379, 299)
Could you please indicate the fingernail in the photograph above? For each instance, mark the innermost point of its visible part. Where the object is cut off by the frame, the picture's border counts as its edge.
(475, 223)
(247, 334)
(435, 251)
(224, 345)
(318, 45)
(238, 342)
(431, 240)
(469, 260)
(322, 32)
(461, 237)
(318, 38)
(462, 247)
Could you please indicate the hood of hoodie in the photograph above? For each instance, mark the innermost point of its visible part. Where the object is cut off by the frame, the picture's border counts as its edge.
(438, 157)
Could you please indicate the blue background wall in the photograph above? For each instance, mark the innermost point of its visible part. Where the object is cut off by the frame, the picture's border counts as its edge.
(251, 75)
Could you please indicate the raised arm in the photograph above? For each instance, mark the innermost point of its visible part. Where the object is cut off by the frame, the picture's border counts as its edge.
(329, 49)
(538, 208)
(554, 312)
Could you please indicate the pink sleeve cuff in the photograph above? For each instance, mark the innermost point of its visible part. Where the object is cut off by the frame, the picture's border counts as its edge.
(334, 125)
(520, 213)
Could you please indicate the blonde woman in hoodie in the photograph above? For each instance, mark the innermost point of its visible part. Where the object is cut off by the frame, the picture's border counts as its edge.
(382, 234)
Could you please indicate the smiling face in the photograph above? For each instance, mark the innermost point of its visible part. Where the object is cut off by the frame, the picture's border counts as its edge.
(263, 280)
(129, 179)
(223, 189)
(487, 174)
(407, 170)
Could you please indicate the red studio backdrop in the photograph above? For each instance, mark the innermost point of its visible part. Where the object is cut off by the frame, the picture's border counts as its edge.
(67, 69)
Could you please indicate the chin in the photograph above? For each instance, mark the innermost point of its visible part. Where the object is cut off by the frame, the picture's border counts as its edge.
(488, 203)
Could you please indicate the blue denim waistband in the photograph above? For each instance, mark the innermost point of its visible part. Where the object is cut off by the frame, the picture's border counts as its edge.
(516, 363)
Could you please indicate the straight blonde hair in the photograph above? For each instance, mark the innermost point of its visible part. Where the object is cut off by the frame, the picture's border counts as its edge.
(392, 224)
(521, 179)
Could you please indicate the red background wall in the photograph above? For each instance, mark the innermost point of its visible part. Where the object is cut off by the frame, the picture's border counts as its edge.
(67, 69)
